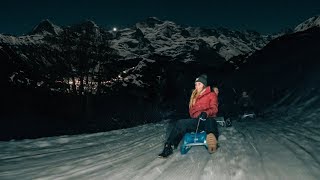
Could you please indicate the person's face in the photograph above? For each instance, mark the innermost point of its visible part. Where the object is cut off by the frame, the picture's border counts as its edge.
(198, 86)
(244, 93)
(216, 90)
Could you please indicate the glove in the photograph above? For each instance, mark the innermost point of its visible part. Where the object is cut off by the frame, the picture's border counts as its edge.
(228, 122)
(203, 116)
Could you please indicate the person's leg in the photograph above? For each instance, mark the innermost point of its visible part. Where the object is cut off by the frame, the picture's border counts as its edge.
(181, 127)
(211, 128)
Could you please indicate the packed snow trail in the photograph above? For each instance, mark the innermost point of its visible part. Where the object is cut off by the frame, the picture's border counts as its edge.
(257, 149)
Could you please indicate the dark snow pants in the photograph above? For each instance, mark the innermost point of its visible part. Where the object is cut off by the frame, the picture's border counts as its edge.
(183, 126)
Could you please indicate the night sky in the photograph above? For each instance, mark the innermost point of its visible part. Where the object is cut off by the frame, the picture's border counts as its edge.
(267, 16)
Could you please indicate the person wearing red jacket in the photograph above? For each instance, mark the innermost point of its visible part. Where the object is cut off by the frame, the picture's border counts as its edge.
(203, 104)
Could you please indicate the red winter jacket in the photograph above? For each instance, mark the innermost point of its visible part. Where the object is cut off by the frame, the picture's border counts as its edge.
(207, 102)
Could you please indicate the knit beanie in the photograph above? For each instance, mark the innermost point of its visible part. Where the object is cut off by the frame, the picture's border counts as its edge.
(202, 79)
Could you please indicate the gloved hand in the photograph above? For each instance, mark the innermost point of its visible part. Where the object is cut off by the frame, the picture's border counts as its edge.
(228, 122)
(203, 116)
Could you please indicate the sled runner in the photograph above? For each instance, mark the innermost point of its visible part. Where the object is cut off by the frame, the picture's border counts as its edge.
(248, 115)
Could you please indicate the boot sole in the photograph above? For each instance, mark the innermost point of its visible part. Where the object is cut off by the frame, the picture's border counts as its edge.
(212, 143)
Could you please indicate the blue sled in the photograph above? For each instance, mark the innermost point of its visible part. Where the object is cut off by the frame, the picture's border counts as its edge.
(193, 139)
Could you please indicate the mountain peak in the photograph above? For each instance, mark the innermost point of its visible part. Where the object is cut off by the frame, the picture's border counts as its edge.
(309, 23)
(149, 22)
(90, 24)
(153, 20)
(46, 27)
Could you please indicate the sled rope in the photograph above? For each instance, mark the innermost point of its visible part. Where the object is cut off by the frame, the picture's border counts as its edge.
(195, 135)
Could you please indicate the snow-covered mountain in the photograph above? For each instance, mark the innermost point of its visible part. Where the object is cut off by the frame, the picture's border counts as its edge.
(169, 39)
(85, 51)
(309, 23)
(160, 37)
(46, 27)
(48, 48)
(286, 63)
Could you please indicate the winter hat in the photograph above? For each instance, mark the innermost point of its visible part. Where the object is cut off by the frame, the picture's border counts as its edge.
(202, 79)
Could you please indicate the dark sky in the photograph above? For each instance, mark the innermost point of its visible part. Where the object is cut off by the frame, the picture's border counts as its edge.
(267, 16)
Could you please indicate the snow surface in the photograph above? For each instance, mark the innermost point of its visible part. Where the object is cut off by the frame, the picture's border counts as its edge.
(280, 146)
(309, 23)
(166, 38)
(22, 40)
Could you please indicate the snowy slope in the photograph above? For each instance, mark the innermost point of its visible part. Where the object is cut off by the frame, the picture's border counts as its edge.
(22, 40)
(309, 23)
(36, 37)
(279, 147)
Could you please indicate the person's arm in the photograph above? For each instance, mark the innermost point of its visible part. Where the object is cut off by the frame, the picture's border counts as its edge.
(213, 106)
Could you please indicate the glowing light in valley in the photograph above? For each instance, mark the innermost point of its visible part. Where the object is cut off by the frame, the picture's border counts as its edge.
(114, 29)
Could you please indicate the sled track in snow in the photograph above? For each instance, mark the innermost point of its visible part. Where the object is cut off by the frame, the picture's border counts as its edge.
(285, 139)
(248, 150)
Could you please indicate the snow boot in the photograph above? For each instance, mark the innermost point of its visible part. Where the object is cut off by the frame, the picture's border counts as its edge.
(167, 151)
(212, 143)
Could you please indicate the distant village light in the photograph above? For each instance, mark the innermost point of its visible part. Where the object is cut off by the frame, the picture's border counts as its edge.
(114, 29)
